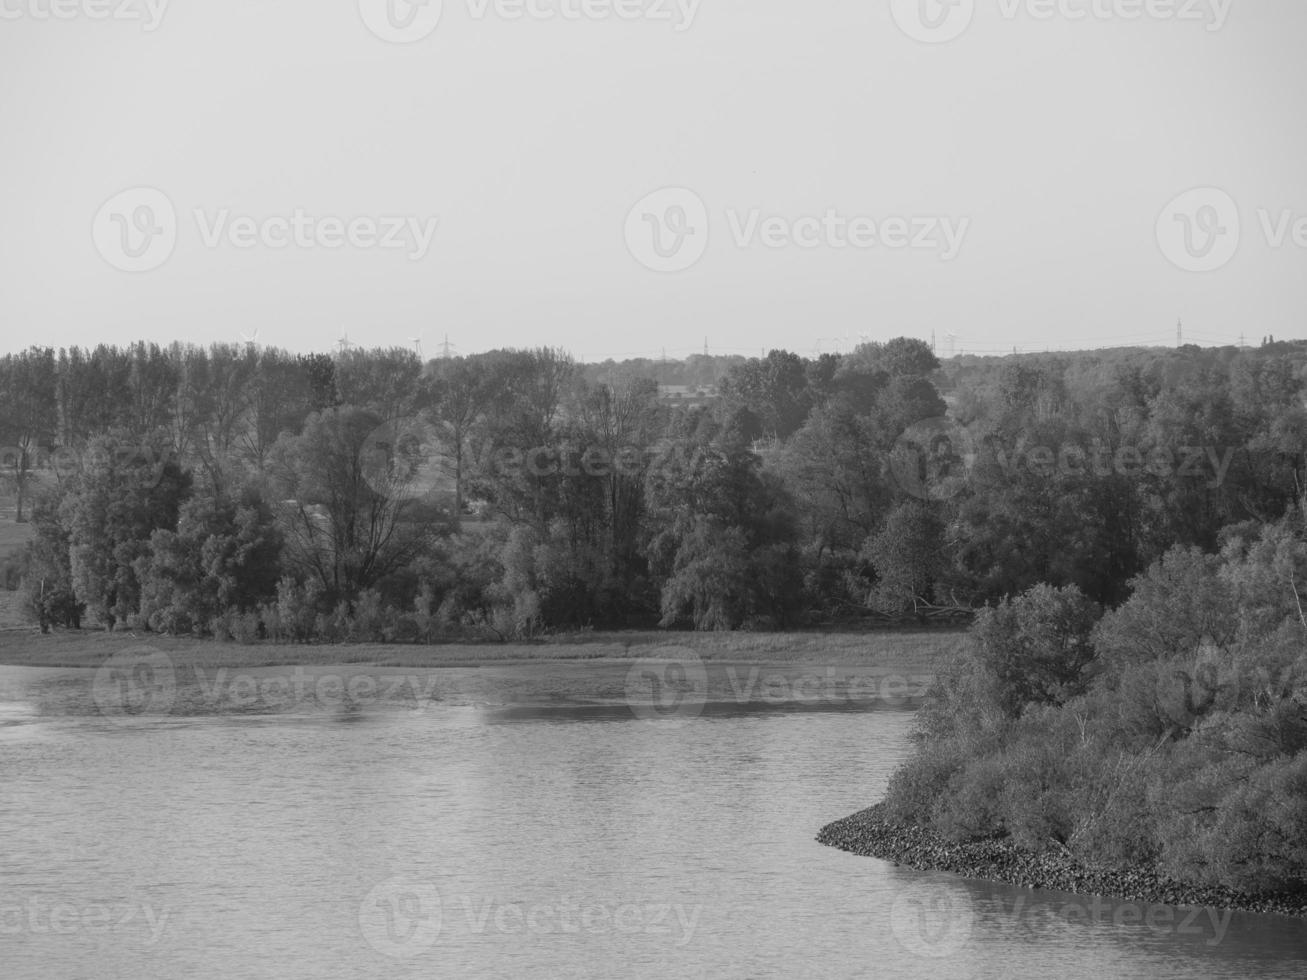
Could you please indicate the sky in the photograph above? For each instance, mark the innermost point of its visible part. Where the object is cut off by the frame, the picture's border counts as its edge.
(626, 178)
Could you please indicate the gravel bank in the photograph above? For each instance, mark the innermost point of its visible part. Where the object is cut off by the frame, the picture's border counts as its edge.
(867, 833)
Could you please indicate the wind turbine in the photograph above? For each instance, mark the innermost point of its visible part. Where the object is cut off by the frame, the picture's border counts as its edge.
(251, 339)
(417, 345)
(344, 343)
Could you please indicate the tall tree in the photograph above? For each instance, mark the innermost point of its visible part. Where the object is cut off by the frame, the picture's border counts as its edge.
(27, 414)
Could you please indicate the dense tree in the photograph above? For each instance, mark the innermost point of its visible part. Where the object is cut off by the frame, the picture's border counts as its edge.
(348, 515)
(1082, 469)
(27, 415)
(121, 494)
(224, 556)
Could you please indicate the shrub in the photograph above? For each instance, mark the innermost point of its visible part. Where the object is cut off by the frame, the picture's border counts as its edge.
(11, 573)
(919, 782)
(370, 619)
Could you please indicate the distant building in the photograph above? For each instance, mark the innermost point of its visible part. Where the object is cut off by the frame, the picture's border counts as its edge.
(687, 395)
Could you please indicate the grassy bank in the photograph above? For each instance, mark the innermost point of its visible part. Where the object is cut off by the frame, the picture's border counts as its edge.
(906, 652)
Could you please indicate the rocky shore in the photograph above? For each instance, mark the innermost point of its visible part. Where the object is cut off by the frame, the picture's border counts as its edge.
(869, 834)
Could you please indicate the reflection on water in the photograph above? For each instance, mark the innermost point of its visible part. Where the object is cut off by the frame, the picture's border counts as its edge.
(473, 837)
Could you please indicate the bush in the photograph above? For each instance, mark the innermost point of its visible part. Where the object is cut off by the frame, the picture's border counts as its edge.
(971, 806)
(920, 781)
(297, 610)
(11, 573)
(1176, 739)
(370, 619)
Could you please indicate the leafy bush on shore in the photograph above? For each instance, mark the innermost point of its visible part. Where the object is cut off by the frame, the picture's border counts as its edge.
(1171, 732)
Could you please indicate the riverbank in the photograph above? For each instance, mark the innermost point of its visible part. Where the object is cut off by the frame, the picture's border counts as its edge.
(907, 652)
(725, 673)
(868, 834)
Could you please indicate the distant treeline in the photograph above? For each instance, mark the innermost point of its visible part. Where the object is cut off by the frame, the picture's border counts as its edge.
(249, 492)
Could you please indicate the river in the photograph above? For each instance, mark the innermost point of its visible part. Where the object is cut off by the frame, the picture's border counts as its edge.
(461, 837)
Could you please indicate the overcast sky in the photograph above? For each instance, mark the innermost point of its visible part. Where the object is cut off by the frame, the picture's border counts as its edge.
(838, 168)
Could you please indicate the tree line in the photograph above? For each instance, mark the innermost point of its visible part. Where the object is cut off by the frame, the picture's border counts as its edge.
(253, 493)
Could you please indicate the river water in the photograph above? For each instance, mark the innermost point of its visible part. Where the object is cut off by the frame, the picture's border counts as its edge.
(438, 835)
